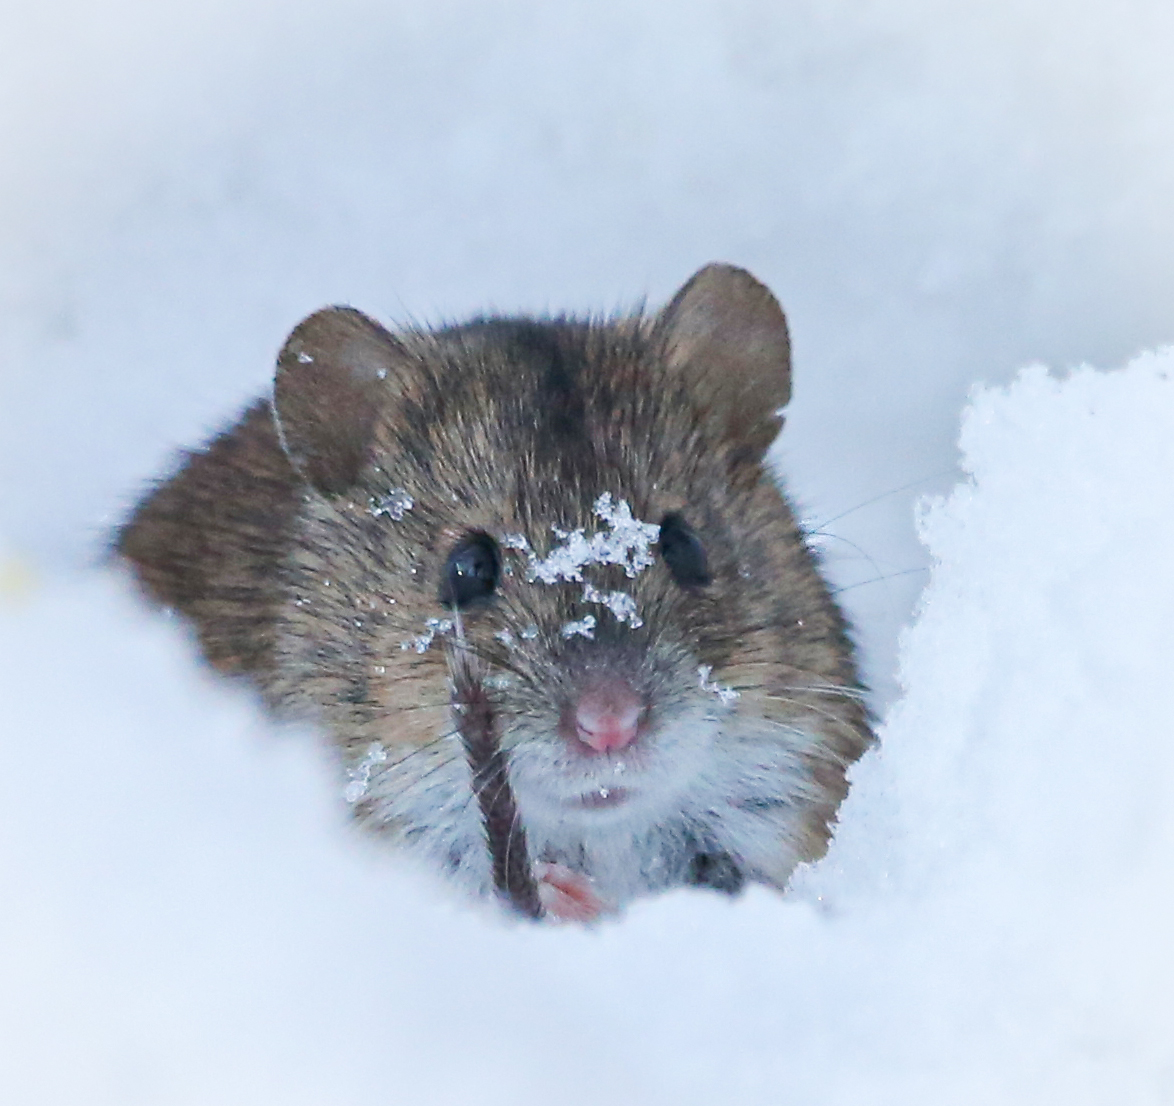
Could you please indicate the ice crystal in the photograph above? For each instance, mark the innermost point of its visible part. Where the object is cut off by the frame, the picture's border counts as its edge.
(359, 777)
(620, 603)
(433, 627)
(395, 504)
(585, 627)
(725, 694)
(627, 542)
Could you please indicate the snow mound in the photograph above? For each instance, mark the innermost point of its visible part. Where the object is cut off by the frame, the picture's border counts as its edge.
(1019, 818)
(187, 920)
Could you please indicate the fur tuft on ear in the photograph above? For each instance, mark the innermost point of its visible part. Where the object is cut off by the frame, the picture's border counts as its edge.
(727, 332)
(331, 374)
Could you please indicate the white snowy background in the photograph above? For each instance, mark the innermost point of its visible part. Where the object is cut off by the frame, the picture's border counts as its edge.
(940, 194)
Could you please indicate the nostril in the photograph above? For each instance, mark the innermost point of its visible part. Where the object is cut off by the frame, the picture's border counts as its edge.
(608, 716)
(607, 734)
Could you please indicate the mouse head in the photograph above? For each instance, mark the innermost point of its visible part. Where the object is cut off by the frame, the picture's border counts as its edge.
(584, 505)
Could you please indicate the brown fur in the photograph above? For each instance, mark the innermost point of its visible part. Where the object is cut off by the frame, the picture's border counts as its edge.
(510, 426)
(210, 542)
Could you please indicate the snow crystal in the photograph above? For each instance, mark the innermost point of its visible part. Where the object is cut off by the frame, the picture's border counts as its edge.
(395, 504)
(433, 626)
(627, 542)
(585, 627)
(725, 694)
(530, 632)
(620, 603)
(360, 775)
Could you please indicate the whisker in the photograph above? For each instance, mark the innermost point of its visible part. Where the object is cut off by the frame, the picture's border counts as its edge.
(824, 751)
(387, 767)
(422, 706)
(773, 663)
(859, 548)
(825, 689)
(878, 579)
(834, 689)
(812, 707)
(883, 495)
(492, 658)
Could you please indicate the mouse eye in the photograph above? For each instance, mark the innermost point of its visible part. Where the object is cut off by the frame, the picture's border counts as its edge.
(471, 572)
(683, 552)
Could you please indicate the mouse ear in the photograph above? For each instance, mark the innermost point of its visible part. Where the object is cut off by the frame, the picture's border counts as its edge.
(331, 374)
(728, 333)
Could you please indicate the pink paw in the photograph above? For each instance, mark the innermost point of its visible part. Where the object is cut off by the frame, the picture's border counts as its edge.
(566, 895)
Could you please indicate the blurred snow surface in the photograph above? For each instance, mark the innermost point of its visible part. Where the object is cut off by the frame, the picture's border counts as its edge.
(186, 918)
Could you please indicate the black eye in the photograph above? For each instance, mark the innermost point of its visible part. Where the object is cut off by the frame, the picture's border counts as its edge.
(683, 552)
(471, 572)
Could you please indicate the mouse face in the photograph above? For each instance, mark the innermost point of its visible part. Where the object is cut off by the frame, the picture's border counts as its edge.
(582, 508)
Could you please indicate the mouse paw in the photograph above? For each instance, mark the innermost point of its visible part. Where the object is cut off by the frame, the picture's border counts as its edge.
(566, 895)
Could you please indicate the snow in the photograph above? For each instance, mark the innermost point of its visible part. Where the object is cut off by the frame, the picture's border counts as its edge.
(620, 603)
(627, 542)
(423, 642)
(188, 919)
(359, 777)
(395, 504)
(940, 194)
(724, 694)
(581, 627)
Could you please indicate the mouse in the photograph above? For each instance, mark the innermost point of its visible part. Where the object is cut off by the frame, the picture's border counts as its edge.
(553, 539)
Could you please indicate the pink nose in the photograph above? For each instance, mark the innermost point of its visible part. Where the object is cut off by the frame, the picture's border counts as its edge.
(607, 716)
